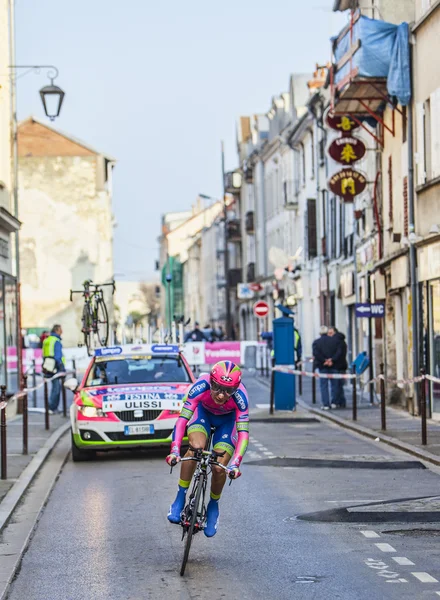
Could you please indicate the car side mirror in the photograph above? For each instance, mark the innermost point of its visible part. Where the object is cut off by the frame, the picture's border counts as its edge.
(71, 384)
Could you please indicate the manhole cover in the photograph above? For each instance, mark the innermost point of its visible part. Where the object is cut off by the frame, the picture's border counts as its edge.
(318, 463)
(414, 532)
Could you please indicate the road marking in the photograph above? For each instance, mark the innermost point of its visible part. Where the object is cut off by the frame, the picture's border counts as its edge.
(385, 547)
(370, 534)
(425, 577)
(438, 593)
(402, 560)
(268, 454)
(258, 444)
(263, 405)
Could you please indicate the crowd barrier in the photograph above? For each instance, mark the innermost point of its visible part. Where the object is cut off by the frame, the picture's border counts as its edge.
(357, 382)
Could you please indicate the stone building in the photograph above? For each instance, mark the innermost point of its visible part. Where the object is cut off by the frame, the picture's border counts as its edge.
(65, 199)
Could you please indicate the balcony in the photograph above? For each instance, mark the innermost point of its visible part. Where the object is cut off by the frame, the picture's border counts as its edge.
(249, 223)
(233, 230)
(250, 272)
(233, 181)
(370, 70)
(234, 277)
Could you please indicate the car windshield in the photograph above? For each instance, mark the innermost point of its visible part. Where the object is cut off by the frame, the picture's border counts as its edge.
(154, 369)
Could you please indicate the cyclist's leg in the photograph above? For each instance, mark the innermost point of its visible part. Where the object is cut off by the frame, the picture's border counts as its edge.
(224, 441)
(198, 428)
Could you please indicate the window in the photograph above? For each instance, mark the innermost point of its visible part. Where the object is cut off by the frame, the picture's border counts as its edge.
(390, 190)
(333, 226)
(11, 325)
(312, 150)
(303, 164)
(138, 370)
(404, 124)
(312, 241)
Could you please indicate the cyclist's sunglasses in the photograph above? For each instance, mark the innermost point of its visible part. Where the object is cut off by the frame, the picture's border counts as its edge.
(217, 388)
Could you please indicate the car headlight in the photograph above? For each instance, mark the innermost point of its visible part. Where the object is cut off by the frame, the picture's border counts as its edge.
(90, 411)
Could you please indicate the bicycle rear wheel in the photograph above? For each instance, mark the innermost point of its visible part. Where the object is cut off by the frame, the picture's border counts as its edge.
(102, 325)
(198, 505)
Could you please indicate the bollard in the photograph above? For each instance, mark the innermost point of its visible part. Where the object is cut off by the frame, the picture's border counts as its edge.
(353, 370)
(383, 412)
(261, 360)
(34, 383)
(313, 388)
(3, 446)
(422, 388)
(74, 367)
(25, 418)
(272, 391)
(63, 392)
(267, 362)
(46, 405)
(300, 381)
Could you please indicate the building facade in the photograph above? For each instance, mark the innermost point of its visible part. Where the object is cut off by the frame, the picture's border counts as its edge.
(65, 200)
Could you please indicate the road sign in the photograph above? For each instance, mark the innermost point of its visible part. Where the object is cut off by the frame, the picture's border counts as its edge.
(244, 291)
(261, 309)
(370, 311)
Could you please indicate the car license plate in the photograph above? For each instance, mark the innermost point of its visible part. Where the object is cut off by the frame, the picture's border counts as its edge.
(138, 429)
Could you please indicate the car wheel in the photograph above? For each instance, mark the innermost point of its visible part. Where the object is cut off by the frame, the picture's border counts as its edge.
(81, 455)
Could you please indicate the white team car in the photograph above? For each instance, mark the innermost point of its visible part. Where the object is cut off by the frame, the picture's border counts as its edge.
(130, 396)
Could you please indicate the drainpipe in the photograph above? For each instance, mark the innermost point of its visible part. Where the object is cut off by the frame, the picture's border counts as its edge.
(411, 230)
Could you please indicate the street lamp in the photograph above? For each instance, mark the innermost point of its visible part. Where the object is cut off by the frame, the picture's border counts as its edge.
(51, 95)
(52, 98)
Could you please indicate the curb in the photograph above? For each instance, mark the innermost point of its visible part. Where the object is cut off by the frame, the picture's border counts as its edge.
(13, 497)
(371, 433)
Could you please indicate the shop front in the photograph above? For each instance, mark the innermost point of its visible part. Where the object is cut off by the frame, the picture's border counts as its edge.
(429, 276)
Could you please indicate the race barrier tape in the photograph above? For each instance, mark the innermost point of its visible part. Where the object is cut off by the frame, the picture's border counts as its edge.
(37, 387)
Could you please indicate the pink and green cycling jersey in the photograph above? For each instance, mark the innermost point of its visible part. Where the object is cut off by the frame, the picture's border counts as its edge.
(200, 395)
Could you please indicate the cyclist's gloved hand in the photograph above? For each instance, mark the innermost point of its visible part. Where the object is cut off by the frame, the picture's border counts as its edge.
(234, 472)
(172, 459)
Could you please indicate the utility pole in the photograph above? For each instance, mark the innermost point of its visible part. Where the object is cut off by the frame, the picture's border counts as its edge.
(226, 255)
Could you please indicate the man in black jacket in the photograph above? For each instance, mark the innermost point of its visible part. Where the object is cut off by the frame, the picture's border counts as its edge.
(341, 367)
(326, 353)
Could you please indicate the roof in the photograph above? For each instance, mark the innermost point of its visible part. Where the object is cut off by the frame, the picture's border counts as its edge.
(136, 349)
(67, 136)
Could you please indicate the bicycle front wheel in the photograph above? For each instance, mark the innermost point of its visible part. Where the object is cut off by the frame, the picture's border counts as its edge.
(102, 325)
(197, 507)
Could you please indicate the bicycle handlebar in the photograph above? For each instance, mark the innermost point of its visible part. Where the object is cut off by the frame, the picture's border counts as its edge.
(88, 284)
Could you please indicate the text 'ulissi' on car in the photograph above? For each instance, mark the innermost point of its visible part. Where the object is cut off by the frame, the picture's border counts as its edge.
(129, 397)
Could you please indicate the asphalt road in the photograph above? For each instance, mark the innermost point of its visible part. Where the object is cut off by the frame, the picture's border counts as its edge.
(104, 533)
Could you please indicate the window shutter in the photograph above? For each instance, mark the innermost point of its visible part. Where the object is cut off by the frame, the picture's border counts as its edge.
(311, 228)
(435, 133)
(420, 124)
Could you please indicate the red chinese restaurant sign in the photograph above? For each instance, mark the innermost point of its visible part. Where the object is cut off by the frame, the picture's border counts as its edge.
(342, 124)
(347, 150)
(348, 183)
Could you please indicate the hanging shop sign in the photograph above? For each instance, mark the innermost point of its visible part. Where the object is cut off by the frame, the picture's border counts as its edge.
(340, 123)
(348, 183)
(347, 150)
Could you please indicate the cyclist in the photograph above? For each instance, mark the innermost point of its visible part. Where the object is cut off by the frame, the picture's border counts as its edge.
(217, 399)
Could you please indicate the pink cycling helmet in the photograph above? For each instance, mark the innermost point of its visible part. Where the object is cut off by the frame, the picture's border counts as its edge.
(225, 376)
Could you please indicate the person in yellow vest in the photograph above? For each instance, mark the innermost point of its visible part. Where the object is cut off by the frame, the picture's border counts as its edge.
(297, 345)
(53, 363)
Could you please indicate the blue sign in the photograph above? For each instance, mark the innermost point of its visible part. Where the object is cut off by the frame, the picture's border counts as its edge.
(114, 351)
(164, 349)
(366, 310)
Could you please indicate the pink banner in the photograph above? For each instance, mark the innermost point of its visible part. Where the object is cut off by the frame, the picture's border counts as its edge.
(29, 355)
(216, 351)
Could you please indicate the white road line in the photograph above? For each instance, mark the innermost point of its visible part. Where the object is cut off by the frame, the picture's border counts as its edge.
(258, 445)
(425, 577)
(385, 547)
(370, 534)
(268, 453)
(438, 593)
(402, 560)
(263, 405)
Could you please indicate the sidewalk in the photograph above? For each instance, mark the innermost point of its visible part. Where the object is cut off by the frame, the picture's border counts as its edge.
(403, 430)
(37, 439)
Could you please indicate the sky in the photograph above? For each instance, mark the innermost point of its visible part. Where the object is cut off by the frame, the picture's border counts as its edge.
(158, 85)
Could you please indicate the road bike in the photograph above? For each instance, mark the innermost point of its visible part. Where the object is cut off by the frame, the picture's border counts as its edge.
(193, 516)
(94, 319)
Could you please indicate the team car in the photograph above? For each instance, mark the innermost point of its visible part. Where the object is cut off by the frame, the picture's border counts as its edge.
(130, 397)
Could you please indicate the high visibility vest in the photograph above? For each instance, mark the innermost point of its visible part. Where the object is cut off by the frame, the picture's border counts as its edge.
(49, 347)
(296, 337)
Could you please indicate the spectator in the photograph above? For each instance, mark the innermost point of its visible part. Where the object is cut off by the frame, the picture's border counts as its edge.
(326, 353)
(341, 367)
(53, 363)
(298, 346)
(43, 336)
(196, 335)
